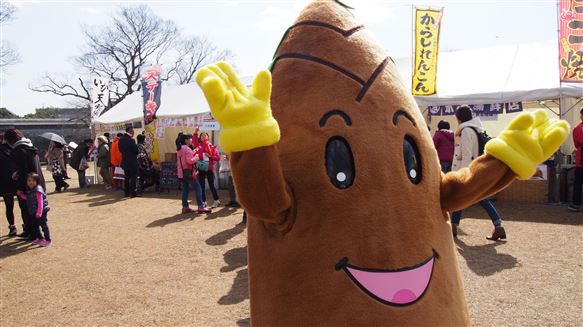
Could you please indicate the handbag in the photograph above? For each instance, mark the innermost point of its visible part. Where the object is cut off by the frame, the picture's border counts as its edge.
(83, 165)
(118, 173)
(202, 165)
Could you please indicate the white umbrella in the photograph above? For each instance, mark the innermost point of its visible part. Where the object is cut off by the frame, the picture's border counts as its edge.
(53, 137)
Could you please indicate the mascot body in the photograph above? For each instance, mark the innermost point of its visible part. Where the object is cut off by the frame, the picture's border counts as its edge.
(338, 174)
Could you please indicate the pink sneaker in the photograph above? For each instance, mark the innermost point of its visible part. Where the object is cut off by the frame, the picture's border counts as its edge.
(38, 241)
(45, 243)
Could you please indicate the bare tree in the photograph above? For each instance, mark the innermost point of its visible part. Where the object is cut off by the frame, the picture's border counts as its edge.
(118, 51)
(192, 53)
(76, 89)
(6, 11)
(8, 56)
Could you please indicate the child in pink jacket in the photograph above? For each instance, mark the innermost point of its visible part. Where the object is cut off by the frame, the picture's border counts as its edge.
(37, 206)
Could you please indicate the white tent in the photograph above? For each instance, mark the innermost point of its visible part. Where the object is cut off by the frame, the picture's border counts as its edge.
(524, 72)
(176, 100)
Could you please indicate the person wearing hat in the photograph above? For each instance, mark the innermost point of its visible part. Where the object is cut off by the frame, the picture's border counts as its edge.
(103, 161)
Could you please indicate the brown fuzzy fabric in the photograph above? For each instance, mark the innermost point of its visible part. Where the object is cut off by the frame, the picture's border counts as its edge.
(301, 225)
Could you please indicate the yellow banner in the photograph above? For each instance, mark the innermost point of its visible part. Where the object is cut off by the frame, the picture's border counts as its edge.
(427, 24)
(151, 141)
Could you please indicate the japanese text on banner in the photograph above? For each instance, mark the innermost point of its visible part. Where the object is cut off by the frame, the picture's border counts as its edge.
(427, 25)
(99, 96)
(571, 40)
(152, 89)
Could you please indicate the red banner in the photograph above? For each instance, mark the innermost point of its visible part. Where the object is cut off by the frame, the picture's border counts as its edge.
(571, 40)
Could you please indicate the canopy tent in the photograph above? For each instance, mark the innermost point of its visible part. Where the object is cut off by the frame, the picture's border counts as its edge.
(524, 72)
(178, 100)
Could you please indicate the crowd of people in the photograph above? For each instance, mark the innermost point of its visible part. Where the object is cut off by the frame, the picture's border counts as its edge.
(125, 161)
(124, 164)
(456, 150)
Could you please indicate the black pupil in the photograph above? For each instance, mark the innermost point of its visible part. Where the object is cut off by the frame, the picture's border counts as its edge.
(412, 160)
(339, 163)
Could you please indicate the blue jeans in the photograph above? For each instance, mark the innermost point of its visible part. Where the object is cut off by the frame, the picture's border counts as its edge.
(197, 192)
(488, 206)
(82, 180)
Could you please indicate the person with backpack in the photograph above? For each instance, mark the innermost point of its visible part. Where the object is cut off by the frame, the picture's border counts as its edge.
(578, 186)
(470, 140)
(444, 144)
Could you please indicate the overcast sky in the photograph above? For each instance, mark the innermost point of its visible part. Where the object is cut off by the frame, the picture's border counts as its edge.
(48, 34)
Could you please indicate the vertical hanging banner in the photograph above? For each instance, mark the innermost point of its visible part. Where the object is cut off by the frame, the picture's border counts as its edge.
(99, 96)
(152, 88)
(427, 25)
(151, 142)
(571, 40)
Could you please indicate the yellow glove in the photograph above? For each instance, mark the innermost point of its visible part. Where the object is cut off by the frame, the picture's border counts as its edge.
(530, 139)
(244, 115)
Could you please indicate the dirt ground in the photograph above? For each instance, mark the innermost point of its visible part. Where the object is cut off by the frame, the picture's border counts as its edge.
(136, 262)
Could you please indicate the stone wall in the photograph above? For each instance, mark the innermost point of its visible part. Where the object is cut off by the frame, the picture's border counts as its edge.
(71, 131)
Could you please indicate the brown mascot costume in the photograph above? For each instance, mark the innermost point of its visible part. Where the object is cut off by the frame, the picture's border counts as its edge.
(348, 209)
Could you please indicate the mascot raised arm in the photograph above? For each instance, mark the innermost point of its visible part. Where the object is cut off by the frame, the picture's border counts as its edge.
(347, 205)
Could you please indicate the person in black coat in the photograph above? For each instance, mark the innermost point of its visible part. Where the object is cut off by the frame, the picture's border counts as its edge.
(129, 161)
(25, 159)
(7, 183)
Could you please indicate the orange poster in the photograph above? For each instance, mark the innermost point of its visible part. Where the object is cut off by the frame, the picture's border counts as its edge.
(571, 40)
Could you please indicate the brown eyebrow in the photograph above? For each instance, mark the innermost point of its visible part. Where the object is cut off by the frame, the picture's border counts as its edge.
(331, 113)
(365, 84)
(400, 113)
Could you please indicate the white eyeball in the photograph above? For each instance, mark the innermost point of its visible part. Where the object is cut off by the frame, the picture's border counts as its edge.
(413, 173)
(341, 177)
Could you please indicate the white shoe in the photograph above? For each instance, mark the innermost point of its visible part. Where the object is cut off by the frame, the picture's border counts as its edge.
(216, 204)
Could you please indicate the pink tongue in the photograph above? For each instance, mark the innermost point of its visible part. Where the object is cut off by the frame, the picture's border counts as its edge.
(400, 287)
(404, 296)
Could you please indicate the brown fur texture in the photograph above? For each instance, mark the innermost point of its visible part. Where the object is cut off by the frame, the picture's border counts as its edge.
(301, 225)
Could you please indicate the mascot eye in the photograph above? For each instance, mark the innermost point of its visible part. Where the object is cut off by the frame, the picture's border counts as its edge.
(412, 160)
(339, 162)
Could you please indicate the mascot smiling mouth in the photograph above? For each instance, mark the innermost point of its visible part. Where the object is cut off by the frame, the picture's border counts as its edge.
(398, 287)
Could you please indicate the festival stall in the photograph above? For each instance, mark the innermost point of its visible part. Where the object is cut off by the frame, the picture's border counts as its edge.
(499, 83)
(180, 108)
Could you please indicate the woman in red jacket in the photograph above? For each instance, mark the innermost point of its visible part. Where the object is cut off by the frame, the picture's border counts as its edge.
(207, 152)
(445, 145)
(578, 140)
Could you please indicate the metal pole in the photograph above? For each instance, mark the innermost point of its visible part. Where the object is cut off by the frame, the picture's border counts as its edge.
(558, 156)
